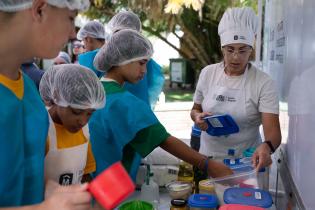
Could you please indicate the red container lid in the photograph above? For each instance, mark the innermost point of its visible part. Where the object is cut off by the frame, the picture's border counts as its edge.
(112, 186)
(239, 207)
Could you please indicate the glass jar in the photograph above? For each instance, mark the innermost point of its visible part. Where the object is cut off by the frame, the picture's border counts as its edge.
(179, 204)
(206, 187)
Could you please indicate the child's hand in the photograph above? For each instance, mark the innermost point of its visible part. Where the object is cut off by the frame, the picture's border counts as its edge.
(74, 197)
(218, 169)
(50, 187)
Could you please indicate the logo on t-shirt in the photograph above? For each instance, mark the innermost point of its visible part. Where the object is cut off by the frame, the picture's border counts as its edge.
(223, 98)
(66, 179)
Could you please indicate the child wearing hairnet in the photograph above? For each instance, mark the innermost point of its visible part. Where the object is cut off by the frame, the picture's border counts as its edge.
(31, 28)
(93, 36)
(72, 93)
(150, 86)
(62, 58)
(127, 124)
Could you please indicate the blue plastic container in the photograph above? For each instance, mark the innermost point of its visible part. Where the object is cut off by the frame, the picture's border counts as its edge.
(195, 131)
(219, 125)
(202, 201)
(248, 196)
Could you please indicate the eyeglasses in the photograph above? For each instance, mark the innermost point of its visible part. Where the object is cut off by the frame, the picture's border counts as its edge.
(241, 52)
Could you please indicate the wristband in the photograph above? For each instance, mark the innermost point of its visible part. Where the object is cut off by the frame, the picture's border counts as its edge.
(272, 149)
(206, 166)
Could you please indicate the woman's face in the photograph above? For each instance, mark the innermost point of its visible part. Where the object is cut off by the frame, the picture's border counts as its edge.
(236, 57)
(55, 28)
(135, 71)
(73, 119)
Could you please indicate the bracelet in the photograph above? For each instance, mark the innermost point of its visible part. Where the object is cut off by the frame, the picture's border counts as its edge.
(206, 165)
(272, 149)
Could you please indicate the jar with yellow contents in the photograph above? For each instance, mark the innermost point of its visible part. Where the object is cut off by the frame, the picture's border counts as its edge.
(206, 187)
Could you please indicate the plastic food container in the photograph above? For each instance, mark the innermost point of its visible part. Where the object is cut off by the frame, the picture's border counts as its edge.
(202, 202)
(248, 196)
(206, 187)
(219, 125)
(246, 179)
(112, 186)
(245, 165)
(239, 207)
(195, 131)
(179, 190)
(136, 204)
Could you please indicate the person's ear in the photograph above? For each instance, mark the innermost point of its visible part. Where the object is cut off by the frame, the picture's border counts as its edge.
(38, 8)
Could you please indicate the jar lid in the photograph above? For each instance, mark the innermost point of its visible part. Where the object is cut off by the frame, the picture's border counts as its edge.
(178, 202)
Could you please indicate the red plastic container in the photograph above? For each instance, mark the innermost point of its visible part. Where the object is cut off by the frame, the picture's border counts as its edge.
(239, 207)
(112, 186)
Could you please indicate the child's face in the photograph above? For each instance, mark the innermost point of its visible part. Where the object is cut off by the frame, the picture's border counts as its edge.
(135, 71)
(74, 119)
(55, 29)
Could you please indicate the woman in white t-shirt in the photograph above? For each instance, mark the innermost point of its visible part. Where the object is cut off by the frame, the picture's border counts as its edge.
(237, 88)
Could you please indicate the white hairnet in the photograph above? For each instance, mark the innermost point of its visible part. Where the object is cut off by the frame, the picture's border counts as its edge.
(17, 5)
(238, 25)
(123, 47)
(124, 20)
(92, 29)
(72, 85)
(64, 56)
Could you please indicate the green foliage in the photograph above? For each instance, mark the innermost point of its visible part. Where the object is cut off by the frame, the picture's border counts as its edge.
(200, 41)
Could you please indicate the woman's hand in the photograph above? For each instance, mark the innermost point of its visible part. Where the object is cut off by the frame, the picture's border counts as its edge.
(218, 169)
(200, 122)
(262, 157)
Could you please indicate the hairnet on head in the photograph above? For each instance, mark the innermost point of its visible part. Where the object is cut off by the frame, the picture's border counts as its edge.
(124, 20)
(17, 5)
(238, 25)
(72, 85)
(92, 29)
(64, 56)
(123, 47)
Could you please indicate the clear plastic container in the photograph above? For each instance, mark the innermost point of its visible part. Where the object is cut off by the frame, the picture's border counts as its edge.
(179, 190)
(206, 187)
(241, 179)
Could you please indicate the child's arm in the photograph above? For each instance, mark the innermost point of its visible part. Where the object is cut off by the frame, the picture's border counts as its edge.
(184, 152)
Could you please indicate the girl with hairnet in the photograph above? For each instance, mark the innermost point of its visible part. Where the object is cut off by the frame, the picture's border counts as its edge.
(72, 93)
(31, 28)
(127, 124)
(93, 36)
(237, 88)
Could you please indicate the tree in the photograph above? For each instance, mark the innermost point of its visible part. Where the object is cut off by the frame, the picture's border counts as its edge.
(197, 19)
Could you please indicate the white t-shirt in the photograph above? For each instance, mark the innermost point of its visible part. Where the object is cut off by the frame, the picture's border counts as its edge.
(261, 94)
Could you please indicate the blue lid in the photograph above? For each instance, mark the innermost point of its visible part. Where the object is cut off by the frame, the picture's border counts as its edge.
(219, 125)
(203, 201)
(195, 131)
(231, 152)
(248, 196)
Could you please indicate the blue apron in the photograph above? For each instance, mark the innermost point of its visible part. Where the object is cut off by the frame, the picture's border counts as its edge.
(24, 125)
(117, 124)
(86, 59)
(149, 88)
